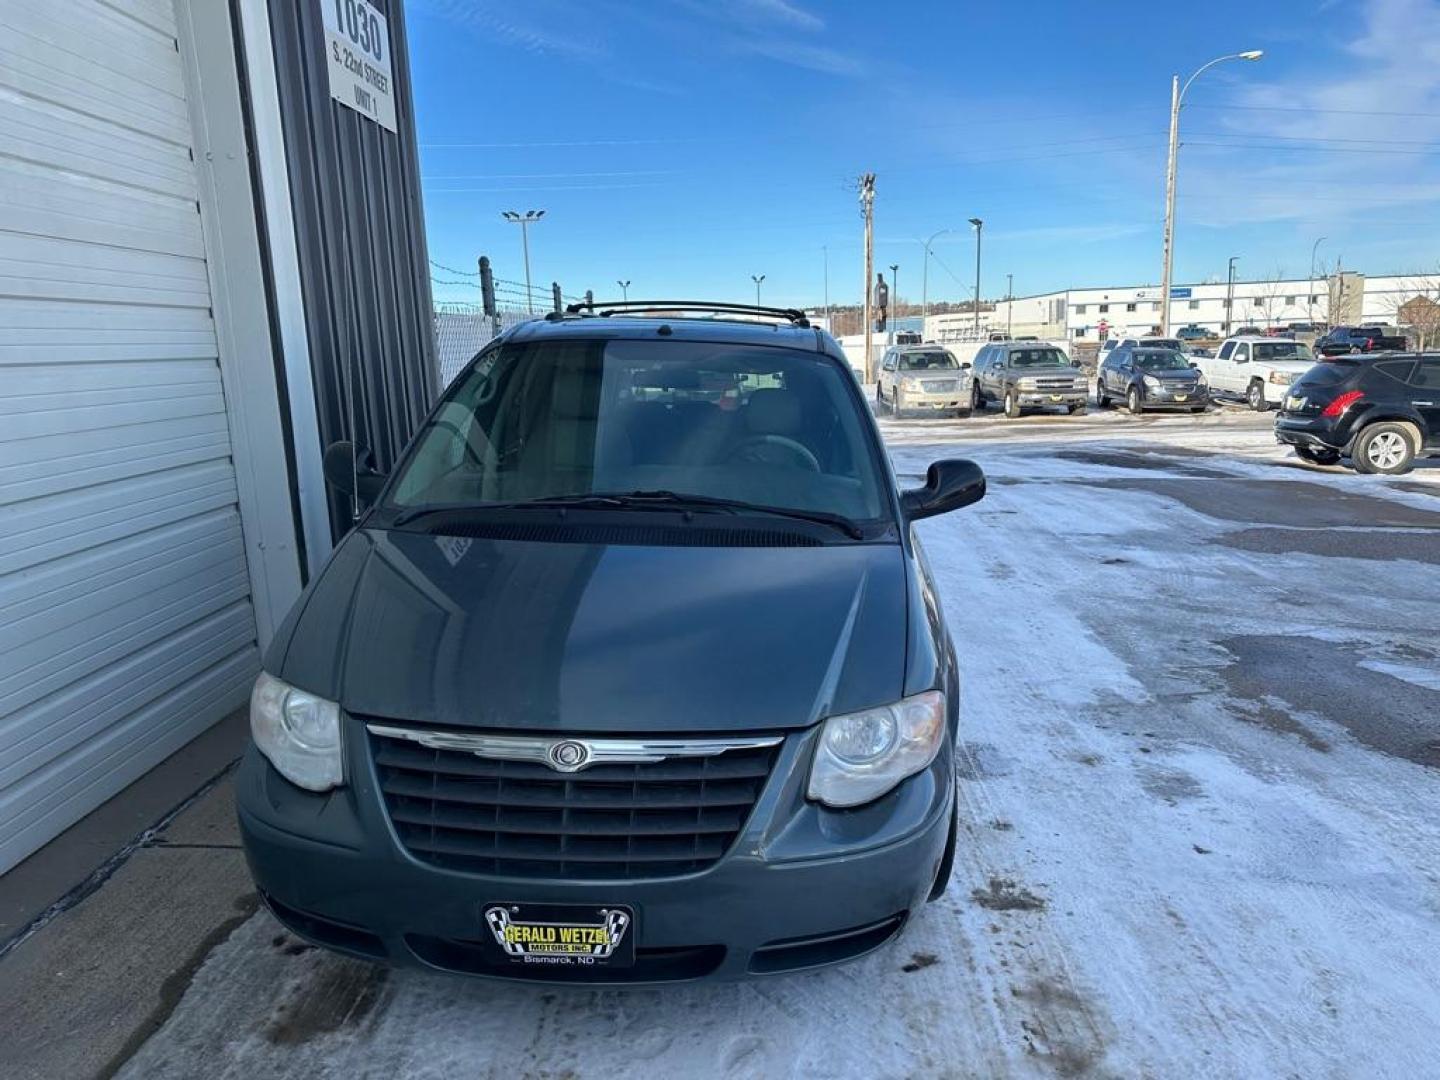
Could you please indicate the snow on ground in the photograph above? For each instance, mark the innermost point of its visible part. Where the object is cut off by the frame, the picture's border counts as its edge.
(1199, 780)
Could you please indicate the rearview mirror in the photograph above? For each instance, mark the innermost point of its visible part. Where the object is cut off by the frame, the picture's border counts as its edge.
(949, 485)
(351, 469)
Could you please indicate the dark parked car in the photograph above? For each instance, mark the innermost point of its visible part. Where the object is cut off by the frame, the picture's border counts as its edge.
(1381, 413)
(1193, 333)
(1343, 340)
(1150, 379)
(1027, 376)
(618, 679)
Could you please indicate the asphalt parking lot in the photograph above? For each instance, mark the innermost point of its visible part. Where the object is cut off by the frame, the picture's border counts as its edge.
(1201, 722)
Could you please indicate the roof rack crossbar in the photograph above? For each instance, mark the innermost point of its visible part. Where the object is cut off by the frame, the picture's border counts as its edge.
(606, 308)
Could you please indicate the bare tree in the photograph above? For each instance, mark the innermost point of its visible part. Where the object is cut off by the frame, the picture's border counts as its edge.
(1270, 298)
(1415, 306)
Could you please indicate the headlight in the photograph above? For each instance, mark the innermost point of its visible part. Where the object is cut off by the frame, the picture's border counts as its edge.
(1027, 384)
(910, 382)
(1281, 378)
(863, 755)
(298, 732)
(1200, 378)
(1152, 382)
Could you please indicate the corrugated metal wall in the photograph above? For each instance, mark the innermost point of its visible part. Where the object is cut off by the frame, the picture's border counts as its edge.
(360, 235)
(126, 624)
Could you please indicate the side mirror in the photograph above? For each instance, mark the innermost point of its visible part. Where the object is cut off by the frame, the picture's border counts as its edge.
(949, 485)
(966, 366)
(351, 469)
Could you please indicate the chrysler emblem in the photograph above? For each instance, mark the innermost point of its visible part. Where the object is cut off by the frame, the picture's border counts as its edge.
(569, 756)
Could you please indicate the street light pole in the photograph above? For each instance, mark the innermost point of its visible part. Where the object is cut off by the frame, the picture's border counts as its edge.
(979, 225)
(1310, 294)
(757, 281)
(525, 221)
(624, 288)
(1177, 96)
(826, 249)
(1229, 292)
(1009, 305)
(925, 278)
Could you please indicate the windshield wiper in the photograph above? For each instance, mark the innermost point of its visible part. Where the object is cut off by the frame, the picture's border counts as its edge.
(637, 500)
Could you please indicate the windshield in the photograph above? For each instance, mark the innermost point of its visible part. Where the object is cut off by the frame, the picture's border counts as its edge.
(1028, 358)
(926, 361)
(1173, 344)
(1159, 360)
(1283, 350)
(769, 426)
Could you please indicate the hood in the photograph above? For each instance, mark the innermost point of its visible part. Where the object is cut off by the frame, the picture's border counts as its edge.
(595, 638)
(1297, 366)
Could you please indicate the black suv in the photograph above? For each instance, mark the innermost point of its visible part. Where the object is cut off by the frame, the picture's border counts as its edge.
(633, 671)
(1382, 413)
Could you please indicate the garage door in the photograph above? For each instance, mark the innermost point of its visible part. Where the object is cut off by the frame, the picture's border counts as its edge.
(125, 619)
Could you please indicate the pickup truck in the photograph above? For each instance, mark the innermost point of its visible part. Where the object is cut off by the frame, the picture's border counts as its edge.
(1343, 340)
(1255, 369)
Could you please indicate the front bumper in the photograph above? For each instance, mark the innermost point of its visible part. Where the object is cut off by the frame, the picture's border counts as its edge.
(1156, 399)
(802, 886)
(1034, 399)
(916, 401)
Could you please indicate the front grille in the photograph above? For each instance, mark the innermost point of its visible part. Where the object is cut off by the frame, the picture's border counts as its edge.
(938, 386)
(1173, 386)
(462, 812)
(1055, 385)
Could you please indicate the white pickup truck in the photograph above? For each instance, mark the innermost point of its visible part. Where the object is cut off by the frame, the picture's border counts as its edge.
(1257, 370)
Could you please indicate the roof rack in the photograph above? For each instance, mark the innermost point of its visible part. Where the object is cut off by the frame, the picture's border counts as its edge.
(605, 309)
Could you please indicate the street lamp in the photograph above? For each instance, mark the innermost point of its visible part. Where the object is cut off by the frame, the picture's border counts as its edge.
(1229, 292)
(1009, 305)
(825, 248)
(978, 226)
(1310, 295)
(757, 281)
(1177, 95)
(895, 307)
(525, 221)
(925, 275)
(624, 288)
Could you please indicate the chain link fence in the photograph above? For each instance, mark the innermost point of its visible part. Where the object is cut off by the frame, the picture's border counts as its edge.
(461, 326)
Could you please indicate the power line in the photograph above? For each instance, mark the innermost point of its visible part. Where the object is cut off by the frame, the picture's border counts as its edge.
(1307, 109)
(1312, 149)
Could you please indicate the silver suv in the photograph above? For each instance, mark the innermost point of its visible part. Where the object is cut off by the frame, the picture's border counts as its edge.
(923, 378)
(1028, 375)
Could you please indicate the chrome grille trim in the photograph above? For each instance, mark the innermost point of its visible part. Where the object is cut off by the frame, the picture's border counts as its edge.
(541, 750)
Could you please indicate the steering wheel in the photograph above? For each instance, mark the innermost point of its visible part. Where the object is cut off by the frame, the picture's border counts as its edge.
(761, 450)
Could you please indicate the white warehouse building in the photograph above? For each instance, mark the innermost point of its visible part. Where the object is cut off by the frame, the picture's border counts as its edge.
(1094, 314)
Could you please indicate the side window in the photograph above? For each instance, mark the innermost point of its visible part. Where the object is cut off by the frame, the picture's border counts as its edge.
(1396, 369)
(890, 360)
(1226, 350)
(1427, 375)
(1242, 354)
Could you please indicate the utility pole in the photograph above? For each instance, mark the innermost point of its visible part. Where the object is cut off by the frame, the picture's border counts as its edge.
(867, 206)
(1230, 293)
(757, 281)
(979, 225)
(525, 221)
(1009, 305)
(624, 288)
(895, 307)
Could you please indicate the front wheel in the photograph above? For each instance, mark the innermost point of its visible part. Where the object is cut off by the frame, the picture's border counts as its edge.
(880, 406)
(1383, 448)
(1102, 400)
(1012, 405)
(1075, 410)
(977, 399)
(1317, 457)
(962, 414)
(1255, 396)
(1133, 402)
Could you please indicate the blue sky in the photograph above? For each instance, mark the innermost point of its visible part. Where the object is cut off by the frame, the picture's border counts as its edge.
(686, 145)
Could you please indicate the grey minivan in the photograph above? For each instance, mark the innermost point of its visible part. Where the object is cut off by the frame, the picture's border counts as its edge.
(632, 671)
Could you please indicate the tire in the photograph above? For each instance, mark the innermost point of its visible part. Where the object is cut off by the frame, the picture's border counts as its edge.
(1133, 402)
(1075, 410)
(1255, 396)
(977, 399)
(1102, 400)
(1012, 405)
(962, 414)
(947, 859)
(1197, 409)
(880, 406)
(1317, 457)
(1384, 448)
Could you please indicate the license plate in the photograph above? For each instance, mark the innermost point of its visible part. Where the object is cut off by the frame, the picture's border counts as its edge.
(562, 935)
(1057, 397)
(1182, 397)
